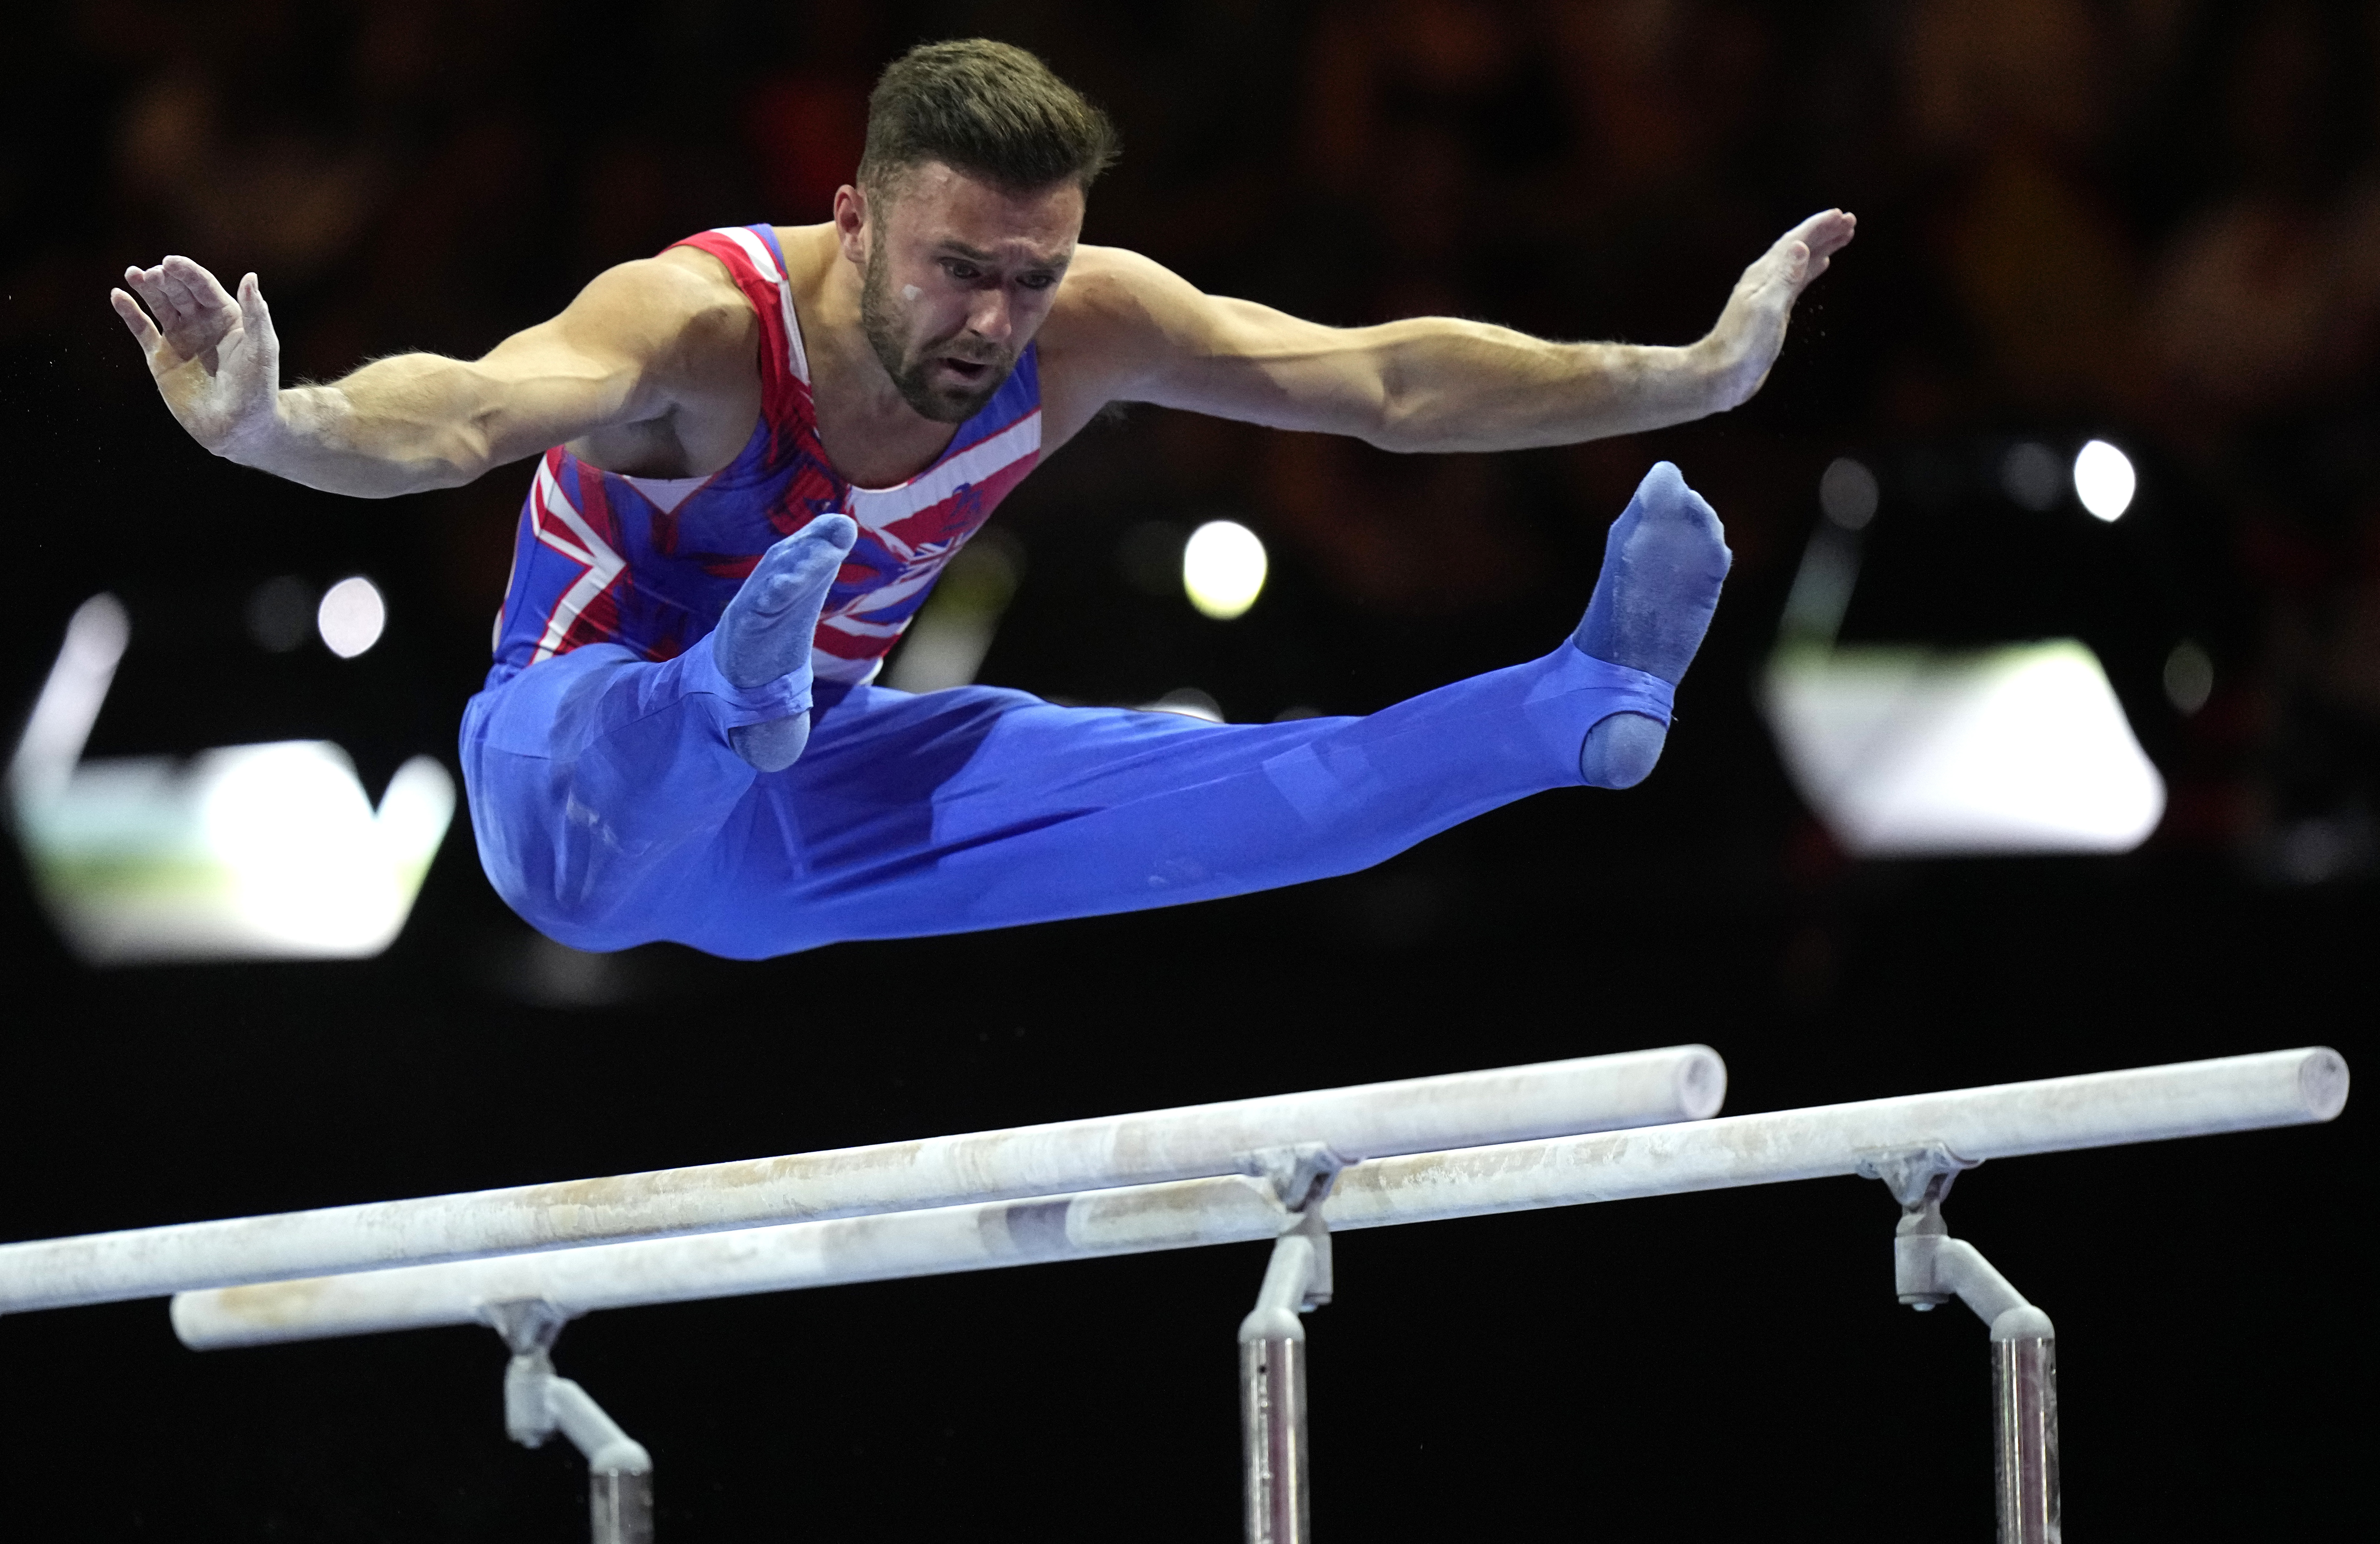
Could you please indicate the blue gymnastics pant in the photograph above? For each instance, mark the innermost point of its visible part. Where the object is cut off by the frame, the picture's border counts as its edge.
(610, 812)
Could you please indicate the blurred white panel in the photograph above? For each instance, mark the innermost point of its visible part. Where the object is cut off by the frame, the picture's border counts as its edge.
(248, 852)
(1907, 751)
(70, 699)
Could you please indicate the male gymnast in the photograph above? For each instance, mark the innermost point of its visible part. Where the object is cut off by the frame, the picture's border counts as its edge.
(757, 451)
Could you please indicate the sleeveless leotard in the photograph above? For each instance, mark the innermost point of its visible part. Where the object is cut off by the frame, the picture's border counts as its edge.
(650, 563)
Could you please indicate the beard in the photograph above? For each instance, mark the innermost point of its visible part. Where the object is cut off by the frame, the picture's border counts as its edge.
(885, 322)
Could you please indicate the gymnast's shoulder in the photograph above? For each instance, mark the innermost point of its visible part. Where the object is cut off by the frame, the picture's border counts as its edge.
(1113, 291)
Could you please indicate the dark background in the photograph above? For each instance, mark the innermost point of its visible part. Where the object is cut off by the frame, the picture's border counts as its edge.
(2157, 221)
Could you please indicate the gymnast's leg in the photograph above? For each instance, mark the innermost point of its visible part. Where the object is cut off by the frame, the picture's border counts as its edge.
(982, 808)
(598, 779)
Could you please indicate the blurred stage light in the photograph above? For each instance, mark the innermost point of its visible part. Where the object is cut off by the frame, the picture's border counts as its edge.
(945, 645)
(1911, 751)
(1223, 568)
(2030, 476)
(1190, 702)
(2104, 479)
(248, 852)
(280, 613)
(2189, 677)
(60, 723)
(351, 616)
(1847, 493)
(1149, 556)
(2319, 850)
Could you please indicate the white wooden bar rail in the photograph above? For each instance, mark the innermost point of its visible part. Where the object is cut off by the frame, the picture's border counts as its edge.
(1588, 1093)
(2237, 1093)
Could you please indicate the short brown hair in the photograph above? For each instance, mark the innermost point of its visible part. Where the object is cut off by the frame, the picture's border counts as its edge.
(989, 109)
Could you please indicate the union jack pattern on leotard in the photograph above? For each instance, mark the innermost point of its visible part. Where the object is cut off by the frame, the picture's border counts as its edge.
(650, 562)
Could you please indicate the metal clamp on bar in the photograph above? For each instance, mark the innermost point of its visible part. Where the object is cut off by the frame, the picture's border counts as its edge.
(1272, 1347)
(1929, 1268)
(538, 1404)
(1302, 1175)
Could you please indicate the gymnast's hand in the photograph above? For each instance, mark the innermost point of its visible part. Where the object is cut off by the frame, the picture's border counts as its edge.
(1752, 329)
(216, 359)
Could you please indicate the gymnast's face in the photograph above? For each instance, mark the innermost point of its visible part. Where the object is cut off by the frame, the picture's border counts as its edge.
(958, 274)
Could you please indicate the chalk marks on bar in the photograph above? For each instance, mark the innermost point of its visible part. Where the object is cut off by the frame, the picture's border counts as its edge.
(2238, 1093)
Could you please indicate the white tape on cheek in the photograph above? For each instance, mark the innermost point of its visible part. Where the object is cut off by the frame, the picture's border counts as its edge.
(910, 292)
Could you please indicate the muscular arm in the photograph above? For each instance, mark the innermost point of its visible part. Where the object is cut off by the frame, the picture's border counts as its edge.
(1137, 333)
(642, 342)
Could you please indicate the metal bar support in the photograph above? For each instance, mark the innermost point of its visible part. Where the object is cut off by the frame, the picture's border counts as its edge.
(1272, 1391)
(1273, 1461)
(1930, 1268)
(2024, 1402)
(538, 1404)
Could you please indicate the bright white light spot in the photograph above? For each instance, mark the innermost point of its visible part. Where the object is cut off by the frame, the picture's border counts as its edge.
(2189, 677)
(351, 616)
(2014, 749)
(1847, 493)
(2104, 479)
(1223, 568)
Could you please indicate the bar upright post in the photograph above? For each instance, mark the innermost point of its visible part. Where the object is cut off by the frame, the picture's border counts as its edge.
(1929, 1268)
(2024, 1420)
(538, 1404)
(1272, 1399)
(1273, 1351)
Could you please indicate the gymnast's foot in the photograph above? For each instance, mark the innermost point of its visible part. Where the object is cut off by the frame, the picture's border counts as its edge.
(1663, 565)
(766, 631)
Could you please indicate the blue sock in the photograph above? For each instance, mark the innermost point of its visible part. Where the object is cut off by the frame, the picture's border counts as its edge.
(1663, 564)
(765, 633)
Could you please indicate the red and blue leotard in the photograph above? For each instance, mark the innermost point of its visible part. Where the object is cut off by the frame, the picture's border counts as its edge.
(650, 563)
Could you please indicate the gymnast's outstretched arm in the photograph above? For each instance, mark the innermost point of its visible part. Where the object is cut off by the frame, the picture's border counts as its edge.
(652, 353)
(1127, 329)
